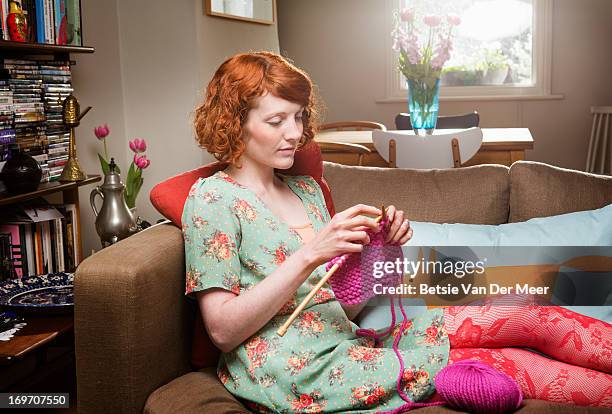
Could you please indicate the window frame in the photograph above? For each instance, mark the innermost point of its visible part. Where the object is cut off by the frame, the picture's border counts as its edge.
(542, 58)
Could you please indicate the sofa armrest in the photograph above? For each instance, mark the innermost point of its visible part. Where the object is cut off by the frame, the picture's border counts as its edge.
(132, 322)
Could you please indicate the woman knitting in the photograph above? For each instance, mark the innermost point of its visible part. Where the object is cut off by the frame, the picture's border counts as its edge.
(256, 243)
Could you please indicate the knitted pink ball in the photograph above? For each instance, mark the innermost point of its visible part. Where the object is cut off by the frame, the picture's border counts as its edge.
(476, 387)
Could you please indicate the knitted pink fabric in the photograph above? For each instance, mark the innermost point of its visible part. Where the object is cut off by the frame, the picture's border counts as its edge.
(353, 282)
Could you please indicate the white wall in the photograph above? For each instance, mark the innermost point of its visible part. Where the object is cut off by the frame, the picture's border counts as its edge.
(152, 61)
(97, 82)
(342, 44)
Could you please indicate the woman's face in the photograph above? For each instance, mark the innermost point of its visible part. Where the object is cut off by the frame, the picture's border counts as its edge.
(272, 131)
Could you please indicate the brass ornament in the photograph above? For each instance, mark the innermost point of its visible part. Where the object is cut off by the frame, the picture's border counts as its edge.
(72, 118)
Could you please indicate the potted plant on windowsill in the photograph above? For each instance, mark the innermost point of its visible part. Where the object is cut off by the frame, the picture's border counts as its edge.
(495, 68)
(461, 76)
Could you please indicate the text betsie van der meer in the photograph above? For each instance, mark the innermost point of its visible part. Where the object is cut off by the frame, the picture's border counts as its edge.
(458, 269)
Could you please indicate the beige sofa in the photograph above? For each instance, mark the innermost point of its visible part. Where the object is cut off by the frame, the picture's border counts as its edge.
(133, 325)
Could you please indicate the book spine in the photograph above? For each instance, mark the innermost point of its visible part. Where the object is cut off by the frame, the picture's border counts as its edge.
(49, 22)
(60, 22)
(71, 208)
(1, 20)
(52, 247)
(30, 254)
(38, 248)
(45, 249)
(40, 21)
(5, 13)
(60, 245)
(73, 27)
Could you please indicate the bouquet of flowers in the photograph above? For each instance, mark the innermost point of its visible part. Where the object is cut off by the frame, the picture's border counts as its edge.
(421, 59)
(134, 179)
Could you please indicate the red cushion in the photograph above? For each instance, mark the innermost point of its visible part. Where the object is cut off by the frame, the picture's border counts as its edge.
(169, 197)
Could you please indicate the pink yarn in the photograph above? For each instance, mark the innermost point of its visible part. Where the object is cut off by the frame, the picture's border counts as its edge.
(353, 283)
(476, 387)
(467, 385)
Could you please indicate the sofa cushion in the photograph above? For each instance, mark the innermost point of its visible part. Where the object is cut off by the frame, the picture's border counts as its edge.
(541, 190)
(169, 196)
(477, 195)
(585, 228)
(581, 228)
(202, 392)
(196, 392)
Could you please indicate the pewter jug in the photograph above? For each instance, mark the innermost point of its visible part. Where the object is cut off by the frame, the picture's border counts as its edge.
(114, 221)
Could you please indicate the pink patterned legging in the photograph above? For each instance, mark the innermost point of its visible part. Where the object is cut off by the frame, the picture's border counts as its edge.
(580, 372)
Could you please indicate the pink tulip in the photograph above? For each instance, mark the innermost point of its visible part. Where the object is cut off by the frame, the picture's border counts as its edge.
(432, 20)
(406, 15)
(101, 131)
(141, 161)
(453, 20)
(138, 145)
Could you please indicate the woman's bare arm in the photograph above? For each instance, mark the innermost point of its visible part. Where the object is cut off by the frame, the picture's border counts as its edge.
(230, 319)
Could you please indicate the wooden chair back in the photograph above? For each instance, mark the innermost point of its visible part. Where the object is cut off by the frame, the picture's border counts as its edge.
(331, 147)
(402, 149)
(599, 154)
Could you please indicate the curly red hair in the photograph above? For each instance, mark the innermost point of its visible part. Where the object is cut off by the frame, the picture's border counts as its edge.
(232, 92)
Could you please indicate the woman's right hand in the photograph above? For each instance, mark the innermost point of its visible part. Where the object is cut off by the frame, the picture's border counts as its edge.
(345, 233)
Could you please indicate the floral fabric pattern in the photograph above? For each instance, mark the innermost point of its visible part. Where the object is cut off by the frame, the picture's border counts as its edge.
(232, 241)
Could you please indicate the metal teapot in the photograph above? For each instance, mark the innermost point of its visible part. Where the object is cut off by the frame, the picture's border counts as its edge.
(114, 221)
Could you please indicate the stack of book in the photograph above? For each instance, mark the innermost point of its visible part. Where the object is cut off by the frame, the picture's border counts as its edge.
(57, 86)
(34, 94)
(7, 130)
(25, 82)
(49, 21)
(37, 238)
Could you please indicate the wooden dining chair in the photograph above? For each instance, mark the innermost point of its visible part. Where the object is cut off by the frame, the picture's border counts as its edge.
(599, 155)
(334, 147)
(401, 149)
(469, 120)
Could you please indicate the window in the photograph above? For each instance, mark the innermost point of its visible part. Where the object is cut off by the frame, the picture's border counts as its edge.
(501, 47)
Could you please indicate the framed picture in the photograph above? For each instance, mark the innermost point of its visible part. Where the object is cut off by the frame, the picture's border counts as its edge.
(255, 11)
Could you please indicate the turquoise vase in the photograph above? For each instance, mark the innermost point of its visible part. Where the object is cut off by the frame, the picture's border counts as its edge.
(423, 105)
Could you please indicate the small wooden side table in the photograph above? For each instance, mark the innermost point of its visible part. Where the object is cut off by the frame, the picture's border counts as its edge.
(40, 357)
(39, 331)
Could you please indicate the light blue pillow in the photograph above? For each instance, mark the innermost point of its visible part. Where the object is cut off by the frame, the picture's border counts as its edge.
(583, 228)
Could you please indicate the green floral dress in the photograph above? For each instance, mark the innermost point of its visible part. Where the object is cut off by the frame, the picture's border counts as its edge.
(232, 241)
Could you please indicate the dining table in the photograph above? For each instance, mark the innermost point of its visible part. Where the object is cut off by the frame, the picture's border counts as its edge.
(499, 146)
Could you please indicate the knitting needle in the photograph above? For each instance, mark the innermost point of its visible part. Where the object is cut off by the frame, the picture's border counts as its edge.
(283, 329)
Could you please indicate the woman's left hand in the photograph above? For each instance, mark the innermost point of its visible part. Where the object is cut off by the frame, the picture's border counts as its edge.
(398, 227)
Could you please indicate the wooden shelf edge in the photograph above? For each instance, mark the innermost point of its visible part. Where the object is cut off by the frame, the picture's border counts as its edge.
(43, 48)
(46, 189)
(38, 331)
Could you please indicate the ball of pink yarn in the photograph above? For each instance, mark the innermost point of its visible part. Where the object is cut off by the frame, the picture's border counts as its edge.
(476, 387)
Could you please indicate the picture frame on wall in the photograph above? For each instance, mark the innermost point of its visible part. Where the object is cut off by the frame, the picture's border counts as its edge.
(253, 11)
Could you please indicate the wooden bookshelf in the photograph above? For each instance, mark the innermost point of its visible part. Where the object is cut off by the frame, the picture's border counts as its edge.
(42, 48)
(70, 194)
(46, 189)
(44, 332)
